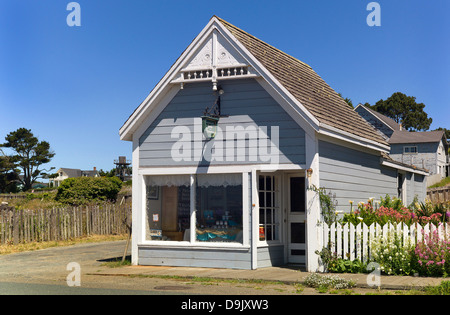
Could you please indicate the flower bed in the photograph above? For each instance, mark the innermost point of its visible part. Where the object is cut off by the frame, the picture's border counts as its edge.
(410, 240)
(431, 256)
(397, 255)
(393, 211)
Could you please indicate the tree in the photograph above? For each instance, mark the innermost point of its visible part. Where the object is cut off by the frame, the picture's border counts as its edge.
(30, 155)
(404, 109)
(447, 133)
(347, 100)
(8, 177)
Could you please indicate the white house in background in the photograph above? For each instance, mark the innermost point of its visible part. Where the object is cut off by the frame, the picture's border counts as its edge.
(226, 146)
(64, 173)
(427, 150)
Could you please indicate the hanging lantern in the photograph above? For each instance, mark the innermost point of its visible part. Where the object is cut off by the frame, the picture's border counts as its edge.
(210, 118)
(209, 126)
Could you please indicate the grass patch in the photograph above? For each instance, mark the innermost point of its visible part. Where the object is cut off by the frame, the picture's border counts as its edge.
(116, 263)
(442, 183)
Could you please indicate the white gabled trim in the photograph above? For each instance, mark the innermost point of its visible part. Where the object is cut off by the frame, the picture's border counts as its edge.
(154, 111)
(403, 168)
(330, 131)
(273, 86)
(127, 130)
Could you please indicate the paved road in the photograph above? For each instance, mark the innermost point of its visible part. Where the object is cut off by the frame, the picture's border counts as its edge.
(45, 272)
(51, 263)
(17, 288)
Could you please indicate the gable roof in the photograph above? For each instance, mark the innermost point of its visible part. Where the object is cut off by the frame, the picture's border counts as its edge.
(307, 87)
(389, 122)
(404, 136)
(71, 172)
(304, 89)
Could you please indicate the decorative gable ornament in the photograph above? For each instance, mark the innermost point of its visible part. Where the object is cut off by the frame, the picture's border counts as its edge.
(214, 60)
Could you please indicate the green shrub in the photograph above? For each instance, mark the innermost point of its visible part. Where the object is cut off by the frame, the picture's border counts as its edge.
(82, 190)
(393, 256)
(334, 264)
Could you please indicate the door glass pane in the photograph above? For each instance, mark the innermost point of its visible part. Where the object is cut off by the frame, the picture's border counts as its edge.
(298, 233)
(261, 183)
(261, 199)
(297, 186)
(268, 183)
(268, 199)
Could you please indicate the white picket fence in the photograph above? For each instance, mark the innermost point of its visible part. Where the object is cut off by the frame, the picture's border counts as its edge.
(353, 242)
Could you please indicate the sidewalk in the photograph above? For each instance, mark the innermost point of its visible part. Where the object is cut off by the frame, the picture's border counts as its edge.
(286, 274)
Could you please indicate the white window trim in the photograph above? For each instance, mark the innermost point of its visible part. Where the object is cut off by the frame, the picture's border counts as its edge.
(410, 146)
(193, 243)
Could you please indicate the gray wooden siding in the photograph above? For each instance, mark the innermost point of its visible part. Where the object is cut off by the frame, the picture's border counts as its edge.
(410, 189)
(194, 257)
(354, 175)
(425, 158)
(415, 186)
(420, 188)
(247, 105)
(272, 255)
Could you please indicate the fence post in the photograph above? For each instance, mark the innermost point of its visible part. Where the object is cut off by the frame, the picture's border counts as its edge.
(15, 225)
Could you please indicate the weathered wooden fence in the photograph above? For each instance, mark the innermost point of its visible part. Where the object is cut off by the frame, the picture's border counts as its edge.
(439, 194)
(22, 226)
(353, 242)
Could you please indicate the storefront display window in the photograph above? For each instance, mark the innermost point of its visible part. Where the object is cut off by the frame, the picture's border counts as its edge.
(219, 208)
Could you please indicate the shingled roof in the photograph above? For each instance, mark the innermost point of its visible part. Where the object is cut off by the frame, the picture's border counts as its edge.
(417, 137)
(306, 86)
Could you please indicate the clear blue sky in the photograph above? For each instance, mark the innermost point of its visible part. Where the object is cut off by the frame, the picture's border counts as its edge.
(75, 87)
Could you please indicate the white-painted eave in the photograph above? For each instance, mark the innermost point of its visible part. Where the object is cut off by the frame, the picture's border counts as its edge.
(404, 168)
(333, 132)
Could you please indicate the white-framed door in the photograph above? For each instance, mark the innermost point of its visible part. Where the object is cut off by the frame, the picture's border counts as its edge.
(296, 218)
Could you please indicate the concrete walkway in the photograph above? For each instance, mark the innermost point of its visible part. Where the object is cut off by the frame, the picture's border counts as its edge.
(286, 274)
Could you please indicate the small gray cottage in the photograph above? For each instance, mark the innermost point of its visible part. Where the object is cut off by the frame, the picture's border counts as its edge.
(226, 146)
(427, 150)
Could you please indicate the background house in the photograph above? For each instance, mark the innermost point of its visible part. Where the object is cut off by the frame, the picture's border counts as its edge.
(427, 150)
(64, 173)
